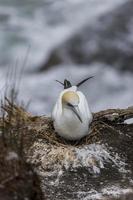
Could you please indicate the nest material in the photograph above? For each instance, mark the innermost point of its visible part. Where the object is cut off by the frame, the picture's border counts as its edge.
(31, 128)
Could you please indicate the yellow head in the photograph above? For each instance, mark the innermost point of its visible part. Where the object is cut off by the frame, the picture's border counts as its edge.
(70, 97)
(70, 100)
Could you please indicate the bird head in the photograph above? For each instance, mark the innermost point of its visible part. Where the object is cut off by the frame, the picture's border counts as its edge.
(70, 100)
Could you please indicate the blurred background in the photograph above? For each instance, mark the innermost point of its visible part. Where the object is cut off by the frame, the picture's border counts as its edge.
(46, 40)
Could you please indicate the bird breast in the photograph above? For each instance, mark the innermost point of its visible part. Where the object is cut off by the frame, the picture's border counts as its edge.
(69, 126)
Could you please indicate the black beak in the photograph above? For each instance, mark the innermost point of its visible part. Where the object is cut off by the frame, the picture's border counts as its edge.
(73, 108)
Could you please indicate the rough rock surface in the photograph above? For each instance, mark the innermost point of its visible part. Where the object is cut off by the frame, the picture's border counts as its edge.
(109, 40)
(98, 167)
(95, 171)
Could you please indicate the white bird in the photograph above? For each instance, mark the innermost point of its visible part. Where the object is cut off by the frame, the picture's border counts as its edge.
(71, 114)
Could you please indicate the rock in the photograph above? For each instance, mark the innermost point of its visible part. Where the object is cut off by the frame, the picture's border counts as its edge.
(100, 166)
(18, 181)
(108, 41)
(17, 178)
(96, 171)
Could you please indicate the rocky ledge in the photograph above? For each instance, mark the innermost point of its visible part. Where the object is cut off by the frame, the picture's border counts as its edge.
(99, 167)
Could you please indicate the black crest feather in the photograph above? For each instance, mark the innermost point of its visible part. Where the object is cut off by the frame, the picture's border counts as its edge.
(67, 84)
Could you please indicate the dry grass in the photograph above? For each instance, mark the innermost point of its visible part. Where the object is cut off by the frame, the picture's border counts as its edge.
(14, 170)
(27, 128)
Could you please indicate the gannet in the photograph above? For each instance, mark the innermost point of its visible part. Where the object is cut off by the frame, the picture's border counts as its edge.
(71, 114)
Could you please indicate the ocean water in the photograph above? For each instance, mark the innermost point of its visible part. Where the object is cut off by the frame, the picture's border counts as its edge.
(108, 89)
(31, 29)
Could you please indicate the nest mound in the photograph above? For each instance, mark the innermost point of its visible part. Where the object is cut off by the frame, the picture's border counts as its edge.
(29, 128)
(104, 155)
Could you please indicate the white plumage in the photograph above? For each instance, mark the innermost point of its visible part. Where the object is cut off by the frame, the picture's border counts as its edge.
(71, 114)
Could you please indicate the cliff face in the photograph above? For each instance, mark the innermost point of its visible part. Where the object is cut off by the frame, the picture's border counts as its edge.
(99, 166)
(107, 41)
